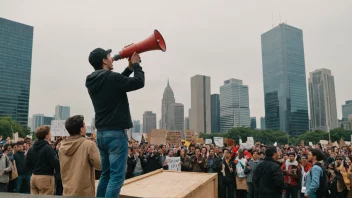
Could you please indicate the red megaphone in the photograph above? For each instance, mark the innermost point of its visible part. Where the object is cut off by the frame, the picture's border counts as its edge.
(153, 42)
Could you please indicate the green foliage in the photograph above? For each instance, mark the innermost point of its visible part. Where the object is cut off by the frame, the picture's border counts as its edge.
(269, 137)
(7, 126)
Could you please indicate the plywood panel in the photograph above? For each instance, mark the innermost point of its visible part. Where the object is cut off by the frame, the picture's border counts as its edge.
(171, 184)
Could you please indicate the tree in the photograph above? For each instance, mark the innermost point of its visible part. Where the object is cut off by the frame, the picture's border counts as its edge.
(8, 126)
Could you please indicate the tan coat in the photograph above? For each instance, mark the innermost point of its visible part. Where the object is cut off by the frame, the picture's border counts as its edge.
(341, 187)
(79, 158)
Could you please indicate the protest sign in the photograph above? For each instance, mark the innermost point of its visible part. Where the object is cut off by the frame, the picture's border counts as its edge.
(174, 163)
(173, 137)
(219, 141)
(58, 128)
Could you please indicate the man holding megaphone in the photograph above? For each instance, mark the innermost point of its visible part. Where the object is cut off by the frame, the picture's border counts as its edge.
(108, 92)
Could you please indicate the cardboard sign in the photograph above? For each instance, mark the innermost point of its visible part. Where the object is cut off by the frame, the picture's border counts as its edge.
(173, 137)
(199, 140)
(188, 135)
(301, 142)
(158, 136)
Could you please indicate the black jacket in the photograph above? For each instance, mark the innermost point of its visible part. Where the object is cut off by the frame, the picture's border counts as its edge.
(268, 179)
(20, 160)
(108, 92)
(229, 176)
(152, 163)
(41, 159)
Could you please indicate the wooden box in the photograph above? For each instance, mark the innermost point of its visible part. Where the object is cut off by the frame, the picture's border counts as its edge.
(171, 184)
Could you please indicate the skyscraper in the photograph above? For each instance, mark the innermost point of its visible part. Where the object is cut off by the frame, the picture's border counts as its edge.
(234, 105)
(322, 100)
(285, 91)
(200, 104)
(136, 126)
(149, 121)
(253, 122)
(175, 117)
(40, 120)
(16, 41)
(186, 123)
(62, 112)
(168, 99)
(346, 110)
(215, 113)
(37, 120)
(262, 123)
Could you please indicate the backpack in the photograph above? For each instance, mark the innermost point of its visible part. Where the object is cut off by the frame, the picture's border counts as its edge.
(323, 190)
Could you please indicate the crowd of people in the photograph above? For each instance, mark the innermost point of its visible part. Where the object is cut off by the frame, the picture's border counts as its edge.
(261, 171)
(70, 165)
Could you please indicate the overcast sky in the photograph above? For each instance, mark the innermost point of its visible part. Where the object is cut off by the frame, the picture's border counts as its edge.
(217, 38)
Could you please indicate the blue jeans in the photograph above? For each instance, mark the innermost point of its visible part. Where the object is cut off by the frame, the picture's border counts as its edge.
(26, 178)
(113, 148)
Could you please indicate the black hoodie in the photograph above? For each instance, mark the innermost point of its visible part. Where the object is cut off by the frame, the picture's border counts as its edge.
(41, 159)
(108, 92)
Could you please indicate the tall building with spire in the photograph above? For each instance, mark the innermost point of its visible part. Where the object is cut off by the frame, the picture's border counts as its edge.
(168, 99)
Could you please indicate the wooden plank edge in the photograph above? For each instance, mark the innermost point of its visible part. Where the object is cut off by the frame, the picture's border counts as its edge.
(134, 179)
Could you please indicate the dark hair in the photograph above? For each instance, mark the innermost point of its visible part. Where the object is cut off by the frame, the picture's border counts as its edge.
(255, 152)
(205, 149)
(170, 151)
(130, 148)
(318, 154)
(197, 148)
(42, 132)
(225, 149)
(270, 151)
(292, 153)
(211, 150)
(74, 124)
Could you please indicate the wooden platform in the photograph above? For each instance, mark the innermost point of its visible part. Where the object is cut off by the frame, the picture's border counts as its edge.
(171, 184)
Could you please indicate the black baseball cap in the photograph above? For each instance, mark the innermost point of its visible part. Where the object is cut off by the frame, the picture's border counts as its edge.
(96, 57)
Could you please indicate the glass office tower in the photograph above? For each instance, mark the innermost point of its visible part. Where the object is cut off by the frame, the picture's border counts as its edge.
(16, 41)
(285, 91)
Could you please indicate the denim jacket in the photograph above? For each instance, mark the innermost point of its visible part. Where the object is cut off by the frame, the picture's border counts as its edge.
(313, 180)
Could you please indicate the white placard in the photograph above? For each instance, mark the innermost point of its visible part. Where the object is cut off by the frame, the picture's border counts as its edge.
(58, 128)
(219, 141)
(208, 141)
(311, 144)
(137, 137)
(250, 142)
(174, 163)
(15, 137)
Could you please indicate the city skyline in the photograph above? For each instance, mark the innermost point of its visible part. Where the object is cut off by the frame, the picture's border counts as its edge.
(239, 56)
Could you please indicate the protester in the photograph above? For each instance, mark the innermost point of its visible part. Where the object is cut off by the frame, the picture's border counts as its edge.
(42, 162)
(79, 158)
(292, 173)
(268, 178)
(228, 171)
(315, 175)
(108, 92)
(5, 168)
(251, 166)
(23, 180)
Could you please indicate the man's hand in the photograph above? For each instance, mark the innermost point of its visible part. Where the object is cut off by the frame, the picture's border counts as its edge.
(135, 58)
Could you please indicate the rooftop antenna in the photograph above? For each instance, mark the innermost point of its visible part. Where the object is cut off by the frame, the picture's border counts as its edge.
(280, 16)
